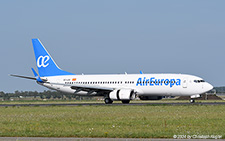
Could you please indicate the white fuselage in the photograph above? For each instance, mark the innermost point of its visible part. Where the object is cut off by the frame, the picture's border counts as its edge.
(143, 84)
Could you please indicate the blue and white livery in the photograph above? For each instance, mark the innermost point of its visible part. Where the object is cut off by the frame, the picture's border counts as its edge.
(122, 87)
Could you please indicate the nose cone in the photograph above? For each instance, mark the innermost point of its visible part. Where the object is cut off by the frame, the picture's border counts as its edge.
(208, 87)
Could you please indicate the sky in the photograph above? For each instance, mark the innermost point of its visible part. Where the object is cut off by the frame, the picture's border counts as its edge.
(112, 37)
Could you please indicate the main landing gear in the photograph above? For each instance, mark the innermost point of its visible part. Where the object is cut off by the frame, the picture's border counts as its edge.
(108, 101)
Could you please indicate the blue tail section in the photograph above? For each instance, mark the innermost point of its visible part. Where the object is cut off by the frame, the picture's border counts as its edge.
(45, 64)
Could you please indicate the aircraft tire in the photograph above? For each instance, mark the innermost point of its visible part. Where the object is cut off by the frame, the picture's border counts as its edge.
(192, 101)
(108, 101)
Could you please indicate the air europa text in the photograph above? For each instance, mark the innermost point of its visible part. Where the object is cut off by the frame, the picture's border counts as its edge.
(157, 82)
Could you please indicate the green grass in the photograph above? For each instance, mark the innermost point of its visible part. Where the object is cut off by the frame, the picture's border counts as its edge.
(113, 121)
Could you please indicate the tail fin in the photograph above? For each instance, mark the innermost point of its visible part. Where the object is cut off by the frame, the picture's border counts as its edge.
(45, 64)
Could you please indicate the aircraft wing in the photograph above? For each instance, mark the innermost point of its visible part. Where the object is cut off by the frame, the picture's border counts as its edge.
(87, 88)
(91, 88)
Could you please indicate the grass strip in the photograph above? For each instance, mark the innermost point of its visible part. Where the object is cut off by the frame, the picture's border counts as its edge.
(152, 121)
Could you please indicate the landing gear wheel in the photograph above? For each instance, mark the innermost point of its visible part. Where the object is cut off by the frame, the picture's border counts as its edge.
(192, 101)
(125, 101)
(108, 101)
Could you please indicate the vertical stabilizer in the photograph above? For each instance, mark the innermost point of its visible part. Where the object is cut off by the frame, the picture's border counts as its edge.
(45, 64)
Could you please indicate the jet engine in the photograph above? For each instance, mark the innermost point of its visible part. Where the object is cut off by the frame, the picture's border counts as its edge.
(122, 94)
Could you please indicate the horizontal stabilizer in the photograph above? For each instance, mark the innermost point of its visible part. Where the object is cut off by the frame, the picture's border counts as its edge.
(26, 77)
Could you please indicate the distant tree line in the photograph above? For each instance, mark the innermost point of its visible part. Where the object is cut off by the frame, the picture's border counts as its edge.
(58, 95)
(40, 95)
(220, 89)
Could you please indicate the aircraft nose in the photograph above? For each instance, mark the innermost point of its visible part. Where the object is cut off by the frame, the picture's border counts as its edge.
(209, 87)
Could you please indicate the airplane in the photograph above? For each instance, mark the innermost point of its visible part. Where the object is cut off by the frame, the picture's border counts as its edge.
(114, 87)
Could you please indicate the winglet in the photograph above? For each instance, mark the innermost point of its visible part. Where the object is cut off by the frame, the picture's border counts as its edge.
(141, 72)
(36, 76)
(34, 72)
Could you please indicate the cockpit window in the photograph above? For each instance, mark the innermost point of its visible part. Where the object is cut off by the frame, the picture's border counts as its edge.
(199, 81)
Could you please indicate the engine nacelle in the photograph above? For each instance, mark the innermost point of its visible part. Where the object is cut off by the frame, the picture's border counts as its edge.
(150, 97)
(122, 94)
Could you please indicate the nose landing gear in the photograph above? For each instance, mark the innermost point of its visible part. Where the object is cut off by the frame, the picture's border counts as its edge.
(192, 101)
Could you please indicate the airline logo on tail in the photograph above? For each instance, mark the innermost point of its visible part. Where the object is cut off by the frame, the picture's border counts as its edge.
(42, 61)
(45, 64)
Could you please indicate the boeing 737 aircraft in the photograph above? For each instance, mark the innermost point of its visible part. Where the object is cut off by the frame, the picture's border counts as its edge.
(122, 87)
